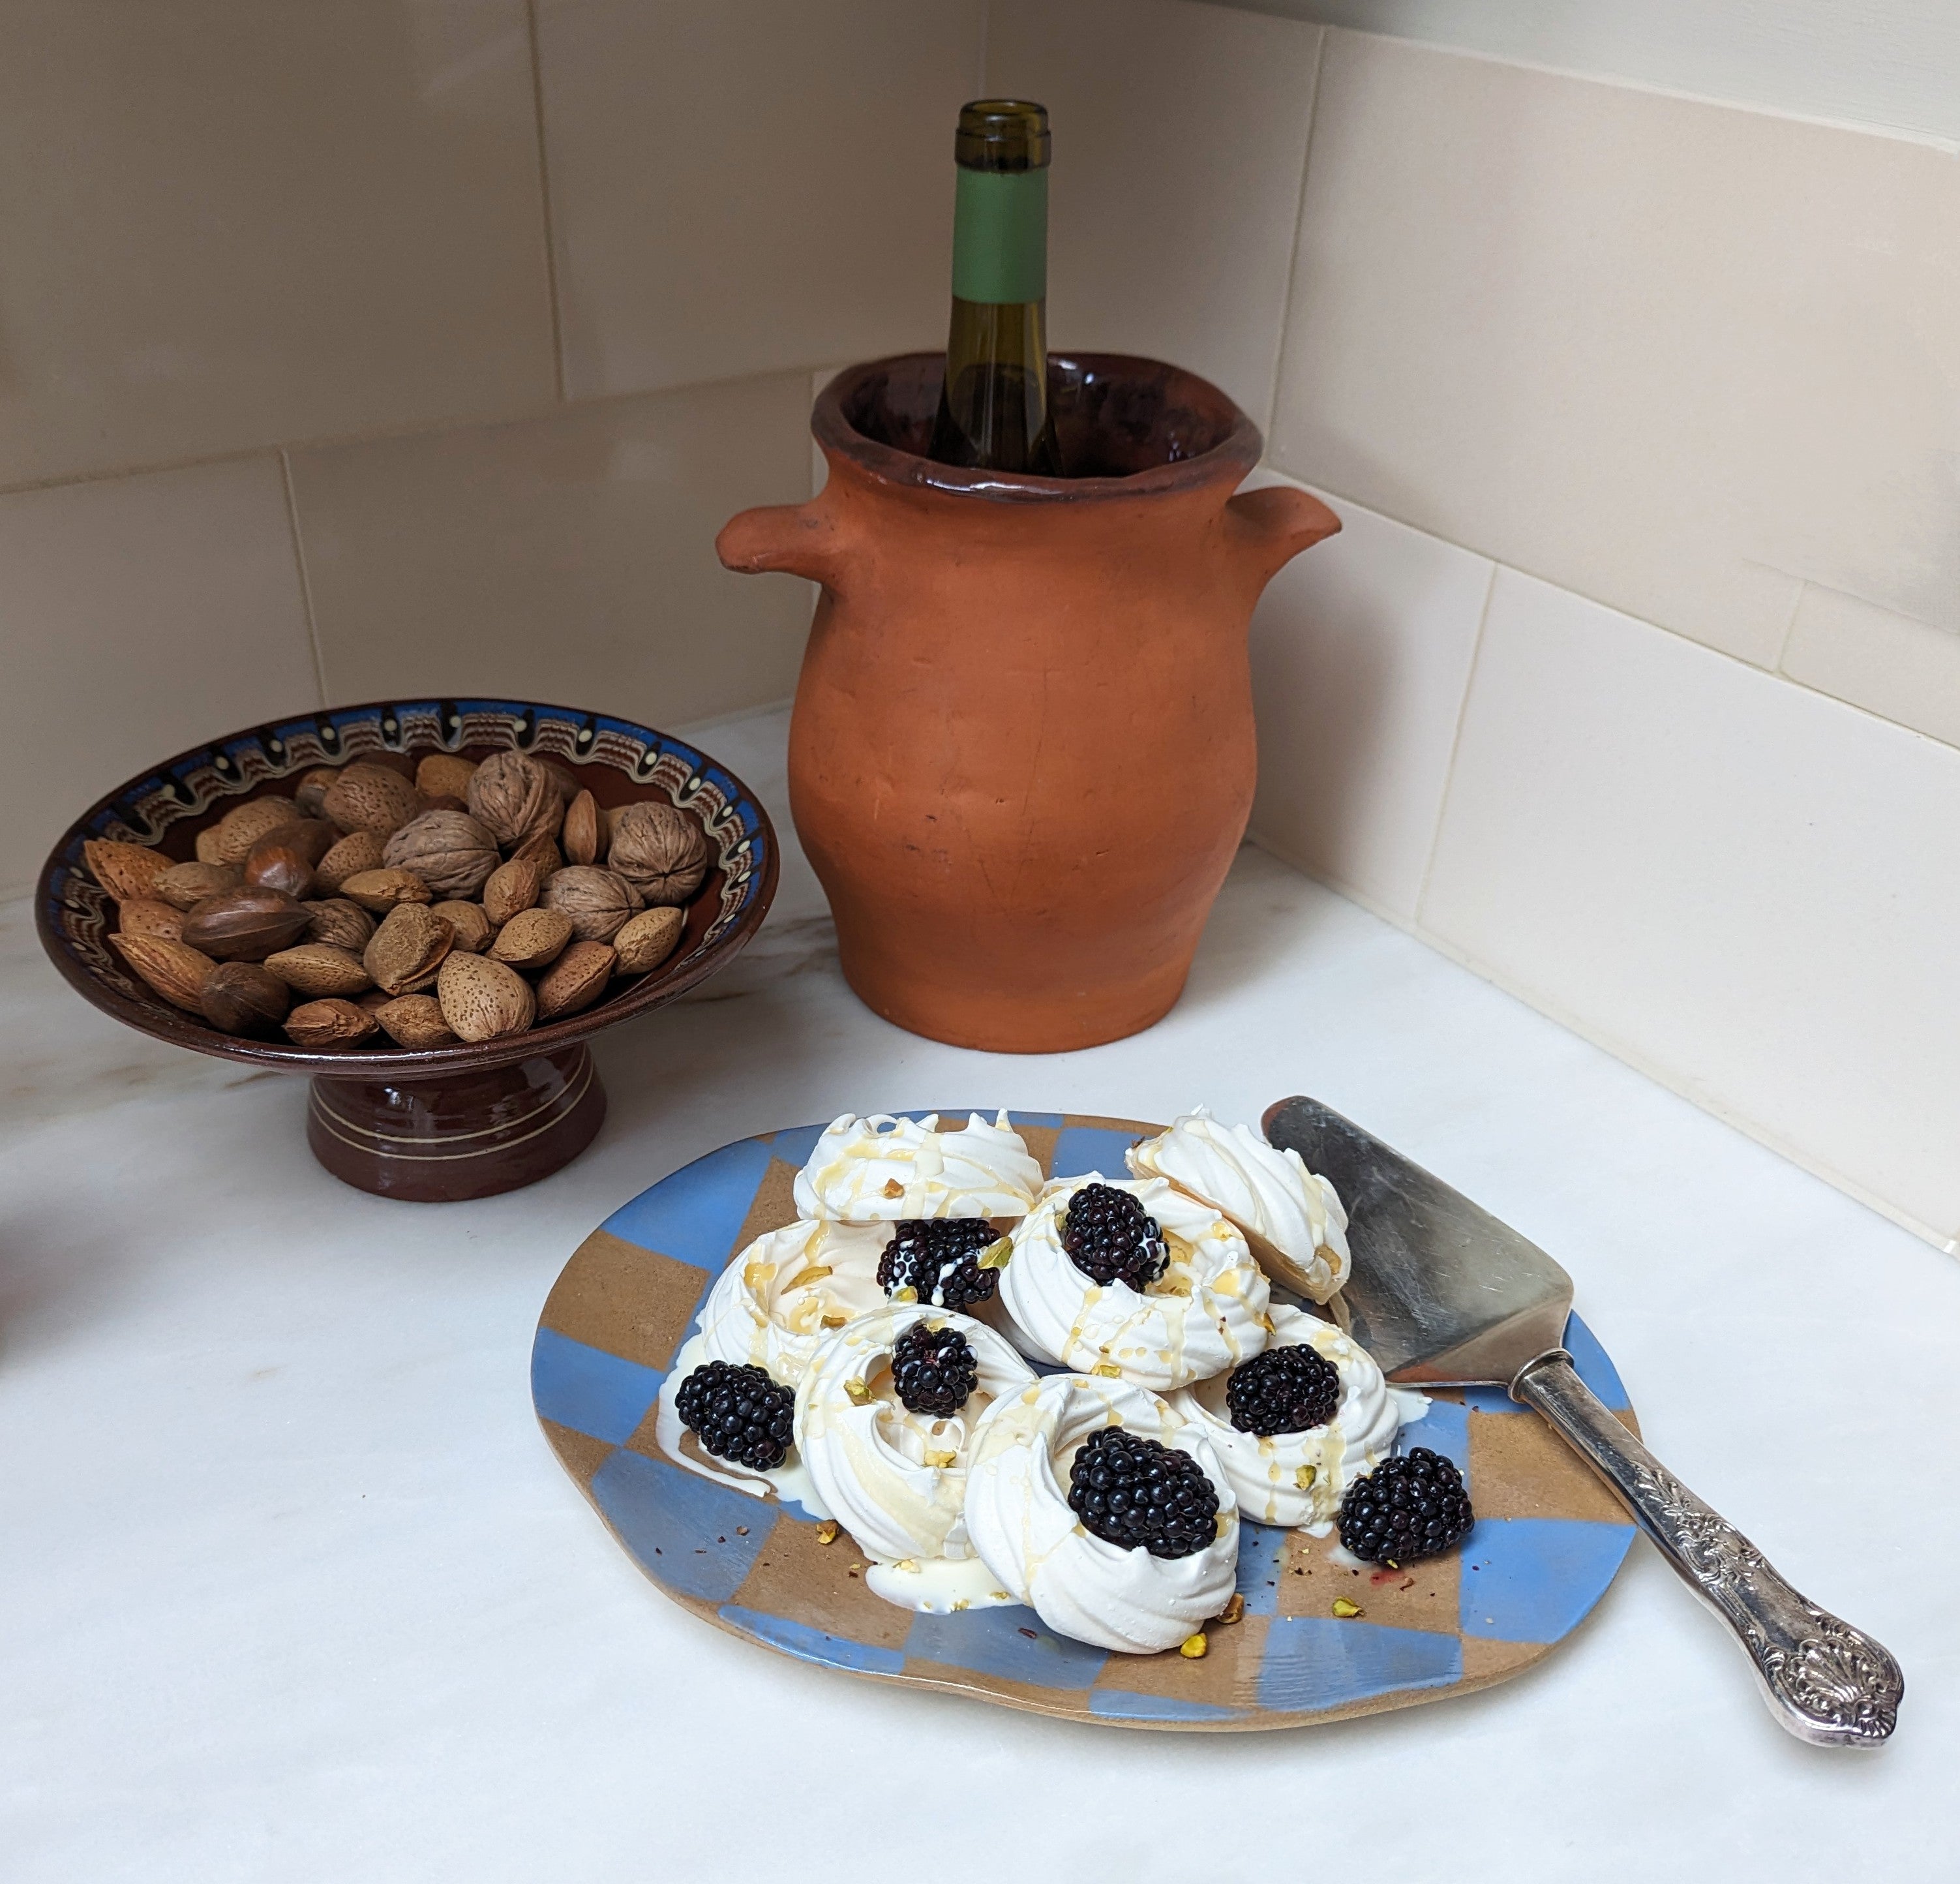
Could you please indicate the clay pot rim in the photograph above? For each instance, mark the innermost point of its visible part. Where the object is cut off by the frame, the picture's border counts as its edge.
(1227, 462)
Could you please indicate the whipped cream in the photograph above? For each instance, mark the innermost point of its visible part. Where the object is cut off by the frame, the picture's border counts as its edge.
(1293, 1218)
(774, 1303)
(1296, 1479)
(896, 1480)
(1018, 1519)
(879, 1169)
(1206, 1313)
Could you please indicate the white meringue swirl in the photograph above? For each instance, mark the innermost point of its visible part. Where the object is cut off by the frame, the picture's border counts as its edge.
(773, 1304)
(1206, 1313)
(896, 1479)
(1293, 1218)
(879, 1169)
(1296, 1479)
(1081, 1586)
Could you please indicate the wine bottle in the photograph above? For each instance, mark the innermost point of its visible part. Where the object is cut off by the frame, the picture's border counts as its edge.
(993, 410)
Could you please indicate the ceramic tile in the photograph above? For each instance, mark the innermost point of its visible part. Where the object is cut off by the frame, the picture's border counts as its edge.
(1675, 356)
(1907, 670)
(1180, 136)
(141, 615)
(227, 227)
(569, 559)
(1361, 652)
(739, 188)
(1745, 887)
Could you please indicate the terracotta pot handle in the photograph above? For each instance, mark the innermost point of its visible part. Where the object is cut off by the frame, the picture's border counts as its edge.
(1275, 524)
(801, 539)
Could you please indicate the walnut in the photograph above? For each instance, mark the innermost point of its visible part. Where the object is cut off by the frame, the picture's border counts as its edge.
(448, 850)
(660, 850)
(514, 795)
(598, 902)
(335, 920)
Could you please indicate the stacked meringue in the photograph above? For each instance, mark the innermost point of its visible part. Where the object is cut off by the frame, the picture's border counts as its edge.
(974, 1495)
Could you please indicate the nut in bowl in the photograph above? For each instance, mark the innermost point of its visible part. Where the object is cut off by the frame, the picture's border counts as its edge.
(355, 874)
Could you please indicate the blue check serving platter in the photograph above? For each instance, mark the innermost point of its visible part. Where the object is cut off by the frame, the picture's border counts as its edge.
(1548, 1538)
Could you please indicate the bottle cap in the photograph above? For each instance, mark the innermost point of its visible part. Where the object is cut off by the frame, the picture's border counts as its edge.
(1002, 134)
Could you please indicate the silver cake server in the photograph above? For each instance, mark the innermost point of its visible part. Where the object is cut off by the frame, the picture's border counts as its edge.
(1444, 1294)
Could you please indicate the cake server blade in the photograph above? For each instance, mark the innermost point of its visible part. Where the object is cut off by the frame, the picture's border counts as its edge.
(1444, 1293)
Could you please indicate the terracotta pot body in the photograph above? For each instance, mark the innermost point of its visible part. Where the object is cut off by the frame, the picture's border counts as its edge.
(1023, 752)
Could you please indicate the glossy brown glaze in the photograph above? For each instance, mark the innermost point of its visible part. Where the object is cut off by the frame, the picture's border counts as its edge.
(470, 1135)
(1022, 751)
(446, 1122)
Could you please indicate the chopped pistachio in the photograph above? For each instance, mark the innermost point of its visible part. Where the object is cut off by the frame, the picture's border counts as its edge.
(826, 1531)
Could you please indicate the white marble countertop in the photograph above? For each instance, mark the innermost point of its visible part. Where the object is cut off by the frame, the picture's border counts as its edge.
(291, 1587)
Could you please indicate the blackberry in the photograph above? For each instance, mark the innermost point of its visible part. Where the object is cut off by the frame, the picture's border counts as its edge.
(738, 1413)
(1110, 1238)
(1131, 1491)
(933, 1372)
(1284, 1390)
(1405, 1509)
(939, 1259)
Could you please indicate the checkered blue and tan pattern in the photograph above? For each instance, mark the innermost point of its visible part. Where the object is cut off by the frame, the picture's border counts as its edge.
(1547, 1541)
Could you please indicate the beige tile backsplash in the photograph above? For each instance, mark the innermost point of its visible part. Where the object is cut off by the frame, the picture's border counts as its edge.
(1674, 356)
(1180, 141)
(527, 297)
(139, 615)
(569, 559)
(750, 184)
(1745, 887)
(226, 227)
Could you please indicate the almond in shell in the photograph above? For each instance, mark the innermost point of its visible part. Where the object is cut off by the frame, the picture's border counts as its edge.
(587, 830)
(532, 939)
(243, 825)
(312, 788)
(473, 928)
(649, 939)
(575, 980)
(444, 775)
(371, 798)
(208, 845)
(330, 1023)
(335, 919)
(415, 1020)
(316, 970)
(359, 851)
(511, 887)
(184, 884)
(381, 890)
(171, 969)
(482, 1000)
(125, 871)
(144, 915)
(408, 948)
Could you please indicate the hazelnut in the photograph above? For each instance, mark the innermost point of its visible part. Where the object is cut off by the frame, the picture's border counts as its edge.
(242, 997)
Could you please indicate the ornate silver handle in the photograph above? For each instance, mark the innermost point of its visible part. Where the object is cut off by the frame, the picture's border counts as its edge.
(1827, 1682)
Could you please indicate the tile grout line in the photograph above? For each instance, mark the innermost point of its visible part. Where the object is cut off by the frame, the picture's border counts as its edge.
(306, 582)
(1456, 747)
(1292, 252)
(544, 200)
(1790, 628)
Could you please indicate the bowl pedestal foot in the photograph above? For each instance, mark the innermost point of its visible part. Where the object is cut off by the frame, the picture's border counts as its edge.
(460, 1135)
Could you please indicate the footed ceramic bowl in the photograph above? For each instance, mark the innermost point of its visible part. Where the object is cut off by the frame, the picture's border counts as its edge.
(442, 1123)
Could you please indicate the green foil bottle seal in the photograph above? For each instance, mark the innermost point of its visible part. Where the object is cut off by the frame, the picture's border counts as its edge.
(1000, 218)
